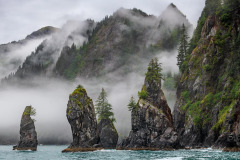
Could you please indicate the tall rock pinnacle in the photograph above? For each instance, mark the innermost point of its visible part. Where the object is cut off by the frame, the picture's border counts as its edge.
(152, 124)
(82, 118)
(28, 134)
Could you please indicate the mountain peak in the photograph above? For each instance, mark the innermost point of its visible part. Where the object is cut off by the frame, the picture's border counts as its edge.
(172, 8)
(42, 32)
(174, 17)
(172, 5)
(134, 12)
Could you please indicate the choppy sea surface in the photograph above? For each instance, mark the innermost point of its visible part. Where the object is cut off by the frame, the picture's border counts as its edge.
(54, 153)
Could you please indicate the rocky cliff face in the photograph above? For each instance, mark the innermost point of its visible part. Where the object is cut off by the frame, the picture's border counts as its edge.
(151, 129)
(82, 118)
(28, 135)
(207, 110)
(108, 134)
(152, 123)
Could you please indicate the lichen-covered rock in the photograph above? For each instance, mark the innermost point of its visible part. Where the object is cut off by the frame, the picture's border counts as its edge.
(28, 134)
(82, 118)
(151, 129)
(152, 123)
(108, 134)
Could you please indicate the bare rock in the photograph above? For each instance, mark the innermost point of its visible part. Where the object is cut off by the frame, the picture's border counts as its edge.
(108, 134)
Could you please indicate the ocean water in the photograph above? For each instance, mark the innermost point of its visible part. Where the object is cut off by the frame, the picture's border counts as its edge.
(54, 153)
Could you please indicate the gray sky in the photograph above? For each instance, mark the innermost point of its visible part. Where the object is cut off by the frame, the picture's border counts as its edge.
(21, 17)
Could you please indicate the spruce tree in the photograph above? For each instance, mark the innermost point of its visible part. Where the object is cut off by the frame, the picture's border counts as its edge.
(183, 46)
(154, 75)
(103, 108)
(132, 104)
(152, 84)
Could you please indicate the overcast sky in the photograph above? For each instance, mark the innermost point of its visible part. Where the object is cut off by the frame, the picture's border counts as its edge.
(21, 17)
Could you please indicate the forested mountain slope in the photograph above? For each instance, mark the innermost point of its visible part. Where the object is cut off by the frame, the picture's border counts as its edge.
(117, 43)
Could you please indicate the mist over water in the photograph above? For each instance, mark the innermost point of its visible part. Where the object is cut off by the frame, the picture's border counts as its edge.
(50, 100)
(50, 95)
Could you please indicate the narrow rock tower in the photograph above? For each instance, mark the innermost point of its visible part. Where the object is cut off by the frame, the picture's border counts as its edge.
(28, 134)
(152, 123)
(82, 118)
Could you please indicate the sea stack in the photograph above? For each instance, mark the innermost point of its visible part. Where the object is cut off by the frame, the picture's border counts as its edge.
(28, 134)
(108, 134)
(82, 118)
(152, 123)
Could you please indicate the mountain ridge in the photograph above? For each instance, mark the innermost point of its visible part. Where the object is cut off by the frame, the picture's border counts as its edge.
(114, 43)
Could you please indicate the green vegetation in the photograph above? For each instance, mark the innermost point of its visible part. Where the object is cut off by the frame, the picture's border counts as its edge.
(80, 91)
(69, 63)
(186, 96)
(103, 108)
(198, 110)
(197, 33)
(153, 79)
(222, 116)
(132, 104)
(169, 81)
(214, 64)
(154, 75)
(71, 72)
(29, 110)
(143, 94)
(77, 94)
(182, 49)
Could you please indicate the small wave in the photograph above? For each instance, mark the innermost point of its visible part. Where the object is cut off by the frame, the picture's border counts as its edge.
(106, 150)
(206, 150)
(172, 158)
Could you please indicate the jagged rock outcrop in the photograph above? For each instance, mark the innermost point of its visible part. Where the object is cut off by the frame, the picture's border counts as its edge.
(152, 123)
(82, 118)
(207, 110)
(28, 134)
(87, 134)
(108, 134)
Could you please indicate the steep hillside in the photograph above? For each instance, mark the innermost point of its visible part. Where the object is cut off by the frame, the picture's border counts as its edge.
(13, 54)
(45, 31)
(120, 41)
(117, 43)
(207, 110)
(41, 62)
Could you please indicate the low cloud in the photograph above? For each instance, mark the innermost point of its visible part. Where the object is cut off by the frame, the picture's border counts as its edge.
(51, 97)
(11, 60)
